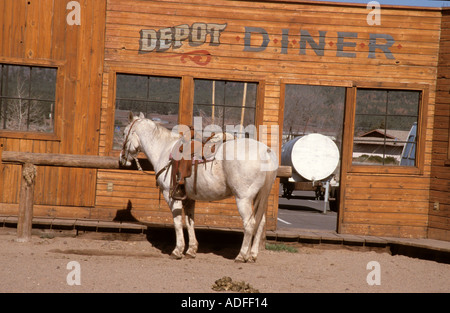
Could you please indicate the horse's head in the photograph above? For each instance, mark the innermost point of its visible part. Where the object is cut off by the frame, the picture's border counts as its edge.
(131, 142)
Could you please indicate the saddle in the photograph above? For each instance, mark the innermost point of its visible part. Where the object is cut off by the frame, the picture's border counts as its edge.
(183, 165)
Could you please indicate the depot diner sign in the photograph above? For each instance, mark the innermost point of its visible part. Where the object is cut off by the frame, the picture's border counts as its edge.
(257, 39)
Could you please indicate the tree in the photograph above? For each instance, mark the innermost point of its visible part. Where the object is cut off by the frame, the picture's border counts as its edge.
(22, 113)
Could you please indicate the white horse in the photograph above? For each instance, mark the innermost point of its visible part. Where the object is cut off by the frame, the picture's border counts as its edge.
(235, 171)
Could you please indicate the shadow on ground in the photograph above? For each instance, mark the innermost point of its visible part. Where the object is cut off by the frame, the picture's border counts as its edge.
(224, 243)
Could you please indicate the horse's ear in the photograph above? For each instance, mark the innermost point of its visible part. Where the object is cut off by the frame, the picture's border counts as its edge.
(141, 115)
(130, 117)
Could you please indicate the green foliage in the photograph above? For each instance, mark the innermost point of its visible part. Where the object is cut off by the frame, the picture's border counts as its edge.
(280, 247)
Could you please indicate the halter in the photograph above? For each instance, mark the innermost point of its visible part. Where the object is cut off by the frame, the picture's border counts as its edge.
(135, 157)
(127, 150)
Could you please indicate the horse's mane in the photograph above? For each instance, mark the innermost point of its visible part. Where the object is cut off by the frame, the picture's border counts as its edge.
(162, 131)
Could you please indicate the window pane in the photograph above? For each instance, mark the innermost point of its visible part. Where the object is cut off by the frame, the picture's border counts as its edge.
(367, 123)
(403, 103)
(395, 123)
(16, 114)
(239, 116)
(16, 81)
(27, 98)
(385, 137)
(40, 90)
(41, 116)
(313, 109)
(131, 86)
(225, 102)
(374, 101)
(156, 97)
(209, 114)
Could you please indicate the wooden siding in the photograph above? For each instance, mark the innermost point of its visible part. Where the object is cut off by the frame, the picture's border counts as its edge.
(270, 42)
(373, 203)
(35, 32)
(439, 211)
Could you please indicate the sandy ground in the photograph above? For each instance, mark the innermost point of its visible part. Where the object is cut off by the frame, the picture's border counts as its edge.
(144, 266)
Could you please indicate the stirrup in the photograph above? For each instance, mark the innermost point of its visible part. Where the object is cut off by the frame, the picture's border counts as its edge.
(179, 193)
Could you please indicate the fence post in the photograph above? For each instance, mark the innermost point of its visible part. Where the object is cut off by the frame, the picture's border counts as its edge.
(24, 223)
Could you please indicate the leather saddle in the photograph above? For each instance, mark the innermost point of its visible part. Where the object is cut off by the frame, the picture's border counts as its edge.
(186, 164)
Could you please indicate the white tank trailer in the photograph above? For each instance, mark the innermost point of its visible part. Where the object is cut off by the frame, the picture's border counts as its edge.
(314, 159)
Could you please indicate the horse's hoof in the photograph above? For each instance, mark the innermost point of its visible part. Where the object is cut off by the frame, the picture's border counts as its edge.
(251, 260)
(175, 256)
(240, 259)
(191, 254)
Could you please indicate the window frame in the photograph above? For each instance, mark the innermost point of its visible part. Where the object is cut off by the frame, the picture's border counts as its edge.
(186, 99)
(59, 90)
(260, 93)
(259, 103)
(349, 129)
(112, 92)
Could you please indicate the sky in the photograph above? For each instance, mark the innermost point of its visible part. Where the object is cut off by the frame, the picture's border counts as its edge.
(424, 3)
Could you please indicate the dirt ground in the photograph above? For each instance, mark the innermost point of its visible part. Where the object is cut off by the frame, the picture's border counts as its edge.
(142, 264)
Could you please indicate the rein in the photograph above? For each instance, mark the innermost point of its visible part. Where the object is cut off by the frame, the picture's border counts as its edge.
(163, 169)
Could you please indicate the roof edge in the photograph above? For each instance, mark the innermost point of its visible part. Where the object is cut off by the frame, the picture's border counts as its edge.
(349, 4)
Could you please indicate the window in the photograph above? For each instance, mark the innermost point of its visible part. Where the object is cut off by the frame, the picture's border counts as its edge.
(385, 130)
(27, 98)
(156, 97)
(226, 103)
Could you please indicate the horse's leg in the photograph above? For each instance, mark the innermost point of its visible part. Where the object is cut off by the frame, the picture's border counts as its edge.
(177, 253)
(177, 209)
(245, 210)
(257, 239)
(189, 208)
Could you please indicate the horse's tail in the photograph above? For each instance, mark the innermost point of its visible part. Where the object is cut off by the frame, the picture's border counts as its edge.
(261, 199)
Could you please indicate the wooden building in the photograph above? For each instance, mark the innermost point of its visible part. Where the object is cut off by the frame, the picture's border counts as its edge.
(70, 70)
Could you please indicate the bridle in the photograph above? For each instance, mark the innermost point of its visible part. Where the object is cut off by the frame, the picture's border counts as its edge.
(127, 150)
(125, 153)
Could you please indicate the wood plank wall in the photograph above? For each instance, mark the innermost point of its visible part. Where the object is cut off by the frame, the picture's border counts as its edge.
(376, 203)
(35, 32)
(439, 214)
(388, 202)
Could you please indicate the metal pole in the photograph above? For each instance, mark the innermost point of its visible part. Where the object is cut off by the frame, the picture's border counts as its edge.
(326, 203)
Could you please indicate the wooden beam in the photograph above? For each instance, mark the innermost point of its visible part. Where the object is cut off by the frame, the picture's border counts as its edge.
(63, 160)
(83, 161)
(284, 171)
